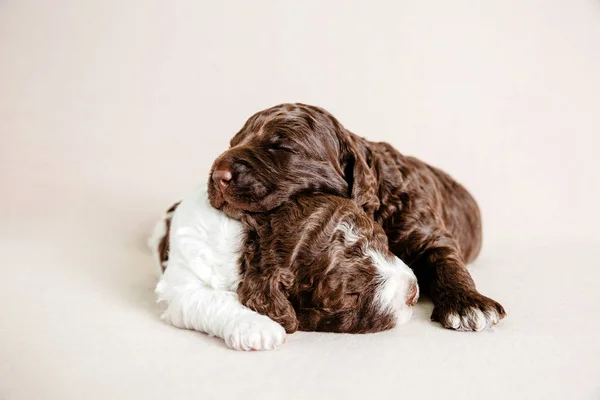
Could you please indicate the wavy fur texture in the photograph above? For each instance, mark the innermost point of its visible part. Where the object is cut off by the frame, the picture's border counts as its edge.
(319, 263)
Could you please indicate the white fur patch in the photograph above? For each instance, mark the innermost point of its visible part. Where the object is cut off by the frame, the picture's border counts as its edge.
(397, 278)
(398, 281)
(473, 320)
(492, 317)
(453, 320)
(479, 321)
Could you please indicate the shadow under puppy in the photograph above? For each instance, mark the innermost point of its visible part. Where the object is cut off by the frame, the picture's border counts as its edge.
(316, 263)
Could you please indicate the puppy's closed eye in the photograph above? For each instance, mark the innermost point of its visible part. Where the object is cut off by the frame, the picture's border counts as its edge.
(280, 141)
(277, 147)
(282, 146)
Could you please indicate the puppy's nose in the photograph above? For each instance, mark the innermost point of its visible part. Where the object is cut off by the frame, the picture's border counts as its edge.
(413, 295)
(222, 176)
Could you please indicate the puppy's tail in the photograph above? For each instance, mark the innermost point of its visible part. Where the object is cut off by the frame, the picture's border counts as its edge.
(159, 240)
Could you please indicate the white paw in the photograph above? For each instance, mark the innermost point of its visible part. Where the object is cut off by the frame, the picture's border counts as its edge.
(255, 332)
(473, 320)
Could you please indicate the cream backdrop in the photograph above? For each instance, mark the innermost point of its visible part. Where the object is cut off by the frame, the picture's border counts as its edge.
(109, 110)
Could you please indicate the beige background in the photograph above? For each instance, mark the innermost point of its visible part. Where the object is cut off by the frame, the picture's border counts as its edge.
(109, 110)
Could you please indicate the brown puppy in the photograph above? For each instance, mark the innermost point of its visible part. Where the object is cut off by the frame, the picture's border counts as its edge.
(319, 263)
(432, 223)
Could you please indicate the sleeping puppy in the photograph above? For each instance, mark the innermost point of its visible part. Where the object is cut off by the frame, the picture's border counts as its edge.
(319, 263)
(316, 263)
(432, 222)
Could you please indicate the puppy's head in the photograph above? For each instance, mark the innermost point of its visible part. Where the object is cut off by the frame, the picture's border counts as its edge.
(368, 290)
(287, 150)
(319, 263)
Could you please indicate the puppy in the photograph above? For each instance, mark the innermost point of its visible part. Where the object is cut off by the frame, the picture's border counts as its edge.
(317, 263)
(432, 222)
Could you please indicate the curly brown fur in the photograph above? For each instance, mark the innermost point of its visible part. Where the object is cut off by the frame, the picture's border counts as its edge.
(302, 268)
(431, 221)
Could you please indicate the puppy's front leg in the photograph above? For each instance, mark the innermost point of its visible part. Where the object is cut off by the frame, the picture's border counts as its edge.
(264, 292)
(435, 257)
(193, 305)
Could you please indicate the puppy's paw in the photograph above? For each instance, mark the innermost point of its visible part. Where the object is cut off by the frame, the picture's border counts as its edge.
(467, 311)
(255, 332)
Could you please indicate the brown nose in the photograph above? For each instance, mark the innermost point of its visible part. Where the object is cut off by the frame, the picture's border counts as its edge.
(413, 295)
(222, 176)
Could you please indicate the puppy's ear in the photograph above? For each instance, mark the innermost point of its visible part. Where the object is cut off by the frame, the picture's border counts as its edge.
(362, 183)
(266, 293)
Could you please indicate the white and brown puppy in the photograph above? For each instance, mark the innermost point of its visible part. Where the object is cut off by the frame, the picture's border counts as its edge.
(316, 263)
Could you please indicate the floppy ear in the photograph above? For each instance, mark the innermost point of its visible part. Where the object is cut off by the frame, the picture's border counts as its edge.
(266, 293)
(362, 183)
